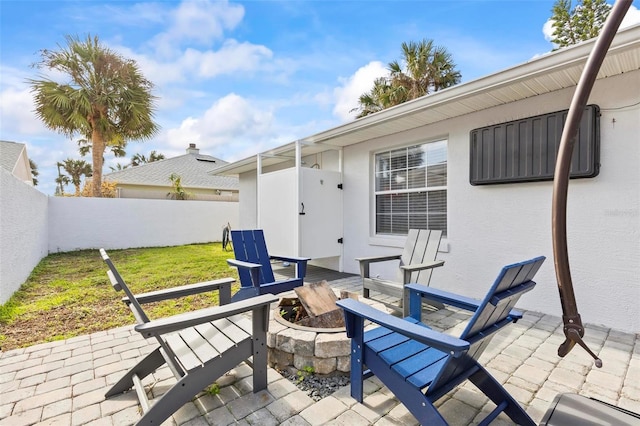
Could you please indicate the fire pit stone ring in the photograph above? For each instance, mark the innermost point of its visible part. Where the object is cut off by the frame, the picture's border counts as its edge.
(326, 350)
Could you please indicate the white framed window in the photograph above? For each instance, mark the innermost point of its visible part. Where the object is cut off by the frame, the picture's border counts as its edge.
(410, 188)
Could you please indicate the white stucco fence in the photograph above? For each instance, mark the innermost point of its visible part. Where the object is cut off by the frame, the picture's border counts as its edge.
(114, 223)
(23, 232)
(33, 225)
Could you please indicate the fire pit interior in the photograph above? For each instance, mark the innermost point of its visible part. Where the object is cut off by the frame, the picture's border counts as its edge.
(314, 307)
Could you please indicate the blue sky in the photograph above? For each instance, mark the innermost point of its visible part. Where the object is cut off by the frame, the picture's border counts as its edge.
(237, 78)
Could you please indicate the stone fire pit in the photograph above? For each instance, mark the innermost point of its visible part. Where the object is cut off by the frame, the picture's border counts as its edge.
(326, 350)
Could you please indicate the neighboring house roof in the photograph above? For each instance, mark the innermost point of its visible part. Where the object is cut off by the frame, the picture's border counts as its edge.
(14, 159)
(9, 154)
(193, 170)
(544, 74)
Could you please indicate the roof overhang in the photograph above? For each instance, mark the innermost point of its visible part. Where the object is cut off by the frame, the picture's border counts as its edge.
(544, 74)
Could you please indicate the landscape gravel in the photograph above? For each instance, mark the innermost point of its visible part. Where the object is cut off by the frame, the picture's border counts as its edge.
(316, 386)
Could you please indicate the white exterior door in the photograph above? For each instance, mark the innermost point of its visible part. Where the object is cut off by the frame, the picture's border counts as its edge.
(278, 212)
(321, 223)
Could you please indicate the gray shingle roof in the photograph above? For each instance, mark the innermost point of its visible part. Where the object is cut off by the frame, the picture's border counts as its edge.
(192, 168)
(9, 154)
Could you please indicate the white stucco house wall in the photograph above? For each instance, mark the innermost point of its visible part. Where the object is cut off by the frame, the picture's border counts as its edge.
(486, 226)
(14, 159)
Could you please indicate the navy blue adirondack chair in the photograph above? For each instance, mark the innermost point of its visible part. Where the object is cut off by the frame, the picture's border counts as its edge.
(254, 266)
(420, 365)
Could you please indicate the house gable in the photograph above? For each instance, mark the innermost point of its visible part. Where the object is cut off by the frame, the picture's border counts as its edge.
(14, 159)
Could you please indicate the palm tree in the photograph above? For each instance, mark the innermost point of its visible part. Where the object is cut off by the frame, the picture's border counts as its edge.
(34, 171)
(377, 99)
(427, 68)
(116, 145)
(107, 99)
(138, 159)
(178, 193)
(155, 156)
(424, 68)
(118, 167)
(62, 181)
(76, 169)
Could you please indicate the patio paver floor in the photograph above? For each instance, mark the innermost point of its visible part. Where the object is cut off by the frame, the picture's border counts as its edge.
(64, 382)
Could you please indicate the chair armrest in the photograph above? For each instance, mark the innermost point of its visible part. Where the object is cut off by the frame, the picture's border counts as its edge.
(435, 339)
(366, 261)
(224, 285)
(301, 264)
(445, 297)
(373, 259)
(418, 291)
(254, 269)
(243, 264)
(290, 258)
(201, 316)
(421, 266)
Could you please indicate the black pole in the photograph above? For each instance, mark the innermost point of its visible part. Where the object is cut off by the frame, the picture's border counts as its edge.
(573, 329)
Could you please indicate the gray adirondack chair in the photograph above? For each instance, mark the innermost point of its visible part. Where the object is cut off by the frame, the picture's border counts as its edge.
(417, 261)
(198, 347)
(420, 365)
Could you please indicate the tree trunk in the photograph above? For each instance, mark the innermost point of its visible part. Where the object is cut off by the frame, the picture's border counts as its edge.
(97, 153)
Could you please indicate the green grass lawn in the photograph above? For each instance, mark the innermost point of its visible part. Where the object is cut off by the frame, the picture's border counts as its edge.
(69, 294)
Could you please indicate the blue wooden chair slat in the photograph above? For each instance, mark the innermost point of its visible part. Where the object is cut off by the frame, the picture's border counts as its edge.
(399, 353)
(386, 342)
(418, 361)
(421, 367)
(382, 331)
(254, 266)
(257, 242)
(240, 252)
(424, 377)
(376, 333)
(250, 247)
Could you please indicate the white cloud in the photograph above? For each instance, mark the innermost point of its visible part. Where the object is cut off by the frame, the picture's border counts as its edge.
(231, 57)
(137, 14)
(157, 71)
(16, 105)
(347, 94)
(631, 18)
(547, 30)
(200, 22)
(231, 120)
(146, 12)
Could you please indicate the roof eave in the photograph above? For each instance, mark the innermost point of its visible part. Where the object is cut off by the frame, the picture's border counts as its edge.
(558, 60)
(169, 186)
(563, 59)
